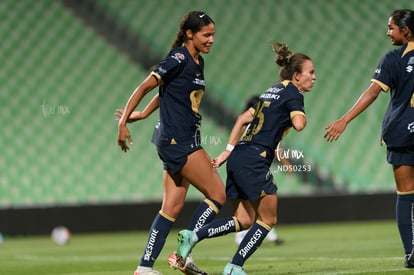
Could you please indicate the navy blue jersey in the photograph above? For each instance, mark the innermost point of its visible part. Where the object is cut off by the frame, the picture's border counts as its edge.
(273, 113)
(395, 73)
(181, 89)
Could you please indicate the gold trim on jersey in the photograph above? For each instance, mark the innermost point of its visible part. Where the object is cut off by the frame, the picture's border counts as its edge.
(383, 86)
(294, 113)
(263, 154)
(173, 141)
(286, 82)
(409, 48)
(158, 77)
(171, 219)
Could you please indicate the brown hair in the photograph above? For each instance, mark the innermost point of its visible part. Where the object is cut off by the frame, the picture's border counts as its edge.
(289, 63)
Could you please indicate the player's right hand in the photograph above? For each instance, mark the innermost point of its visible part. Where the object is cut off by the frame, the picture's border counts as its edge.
(123, 135)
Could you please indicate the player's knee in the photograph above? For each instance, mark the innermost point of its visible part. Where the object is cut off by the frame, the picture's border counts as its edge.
(270, 221)
(173, 209)
(222, 199)
(219, 197)
(246, 222)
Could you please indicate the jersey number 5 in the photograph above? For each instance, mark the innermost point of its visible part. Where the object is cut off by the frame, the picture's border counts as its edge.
(260, 119)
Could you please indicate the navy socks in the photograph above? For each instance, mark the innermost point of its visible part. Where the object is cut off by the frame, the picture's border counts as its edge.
(404, 215)
(204, 214)
(253, 239)
(219, 227)
(158, 233)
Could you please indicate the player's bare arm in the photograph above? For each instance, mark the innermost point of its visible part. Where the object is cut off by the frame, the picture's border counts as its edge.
(123, 133)
(336, 128)
(238, 129)
(299, 122)
(138, 115)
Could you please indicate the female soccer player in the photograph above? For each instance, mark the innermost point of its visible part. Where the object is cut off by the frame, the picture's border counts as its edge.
(249, 180)
(272, 236)
(395, 73)
(180, 77)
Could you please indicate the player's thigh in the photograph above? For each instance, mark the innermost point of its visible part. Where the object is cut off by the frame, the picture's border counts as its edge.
(199, 171)
(174, 193)
(404, 177)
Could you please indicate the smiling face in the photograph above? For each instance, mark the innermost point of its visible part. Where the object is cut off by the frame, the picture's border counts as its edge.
(203, 40)
(304, 80)
(398, 35)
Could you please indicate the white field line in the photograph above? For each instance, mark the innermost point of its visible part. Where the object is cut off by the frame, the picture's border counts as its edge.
(76, 258)
(270, 259)
(314, 259)
(323, 259)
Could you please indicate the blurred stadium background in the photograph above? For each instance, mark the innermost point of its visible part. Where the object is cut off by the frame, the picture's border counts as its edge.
(66, 65)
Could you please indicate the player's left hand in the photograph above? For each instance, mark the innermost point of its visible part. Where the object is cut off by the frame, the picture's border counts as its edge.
(134, 116)
(218, 161)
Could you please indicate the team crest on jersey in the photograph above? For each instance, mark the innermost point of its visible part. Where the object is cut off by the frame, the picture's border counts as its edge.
(179, 57)
(411, 60)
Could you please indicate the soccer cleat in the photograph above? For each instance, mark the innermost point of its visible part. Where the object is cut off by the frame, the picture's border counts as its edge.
(279, 241)
(141, 270)
(232, 269)
(409, 260)
(189, 268)
(186, 241)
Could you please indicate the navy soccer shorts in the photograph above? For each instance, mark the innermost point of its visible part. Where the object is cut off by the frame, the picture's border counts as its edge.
(401, 156)
(174, 156)
(248, 173)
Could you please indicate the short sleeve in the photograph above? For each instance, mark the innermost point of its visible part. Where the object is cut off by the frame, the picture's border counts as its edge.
(169, 67)
(383, 73)
(296, 104)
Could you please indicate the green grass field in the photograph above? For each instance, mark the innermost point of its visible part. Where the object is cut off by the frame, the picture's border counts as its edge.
(340, 248)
